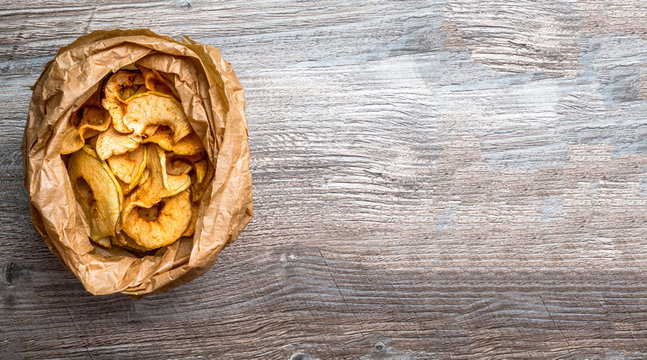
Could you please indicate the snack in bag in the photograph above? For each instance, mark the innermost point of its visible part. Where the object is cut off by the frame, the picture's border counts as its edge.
(136, 160)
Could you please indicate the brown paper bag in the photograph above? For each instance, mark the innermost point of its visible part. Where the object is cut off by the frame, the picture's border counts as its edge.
(213, 100)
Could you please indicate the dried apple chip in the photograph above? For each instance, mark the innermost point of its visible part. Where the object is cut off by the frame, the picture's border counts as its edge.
(156, 109)
(86, 123)
(159, 224)
(190, 229)
(177, 166)
(198, 188)
(172, 183)
(128, 168)
(155, 82)
(200, 168)
(188, 145)
(111, 142)
(119, 87)
(154, 216)
(72, 141)
(97, 191)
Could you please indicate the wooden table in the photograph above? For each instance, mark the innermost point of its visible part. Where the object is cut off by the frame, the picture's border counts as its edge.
(458, 179)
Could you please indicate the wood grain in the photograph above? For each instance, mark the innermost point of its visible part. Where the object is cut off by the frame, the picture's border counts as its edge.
(454, 179)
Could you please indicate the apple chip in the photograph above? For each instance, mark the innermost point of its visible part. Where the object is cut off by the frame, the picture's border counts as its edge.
(149, 217)
(156, 109)
(97, 191)
(188, 145)
(159, 224)
(127, 243)
(86, 123)
(200, 168)
(190, 229)
(155, 82)
(177, 166)
(198, 188)
(93, 121)
(128, 168)
(112, 142)
(120, 86)
(172, 183)
(72, 141)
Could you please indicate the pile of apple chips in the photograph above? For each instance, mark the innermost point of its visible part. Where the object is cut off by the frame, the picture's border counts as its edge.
(136, 166)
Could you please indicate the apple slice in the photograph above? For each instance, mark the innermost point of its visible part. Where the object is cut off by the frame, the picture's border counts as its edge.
(86, 123)
(153, 108)
(128, 168)
(173, 184)
(204, 171)
(155, 82)
(151, 219)
(97, 191)
(112, 142)
(189, 145)
(120, 86)
(190, 229)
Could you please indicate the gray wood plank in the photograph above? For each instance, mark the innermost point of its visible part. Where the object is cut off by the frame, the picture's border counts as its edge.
(437, 179)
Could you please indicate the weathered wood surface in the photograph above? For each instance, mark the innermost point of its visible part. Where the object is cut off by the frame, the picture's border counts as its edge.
(459, 179)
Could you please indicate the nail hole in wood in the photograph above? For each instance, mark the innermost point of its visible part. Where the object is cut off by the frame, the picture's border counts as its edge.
(380, 346)
(300, 356)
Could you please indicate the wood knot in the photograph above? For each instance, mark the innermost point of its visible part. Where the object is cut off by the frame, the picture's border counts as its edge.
(13, 272)
(9, 273)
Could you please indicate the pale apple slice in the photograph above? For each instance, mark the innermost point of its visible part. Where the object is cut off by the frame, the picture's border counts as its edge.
(153, 108)
(128, 167)
(188, 145)
(72, 141)
(93, 121)
(85, 123)
(200, 168)
(97, 191)
(173, 184)
(198, 188)
(190, 229)
(126, 242)
(155, 82)
(120, 86)
(111, 142)
(177, 166)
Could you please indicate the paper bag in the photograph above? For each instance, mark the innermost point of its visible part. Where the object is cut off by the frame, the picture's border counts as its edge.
(214, 102)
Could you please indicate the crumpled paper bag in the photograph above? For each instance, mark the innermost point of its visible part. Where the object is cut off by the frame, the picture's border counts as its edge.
(213, 100)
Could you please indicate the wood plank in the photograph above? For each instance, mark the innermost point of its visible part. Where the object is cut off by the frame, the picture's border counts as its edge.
(442, 179)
